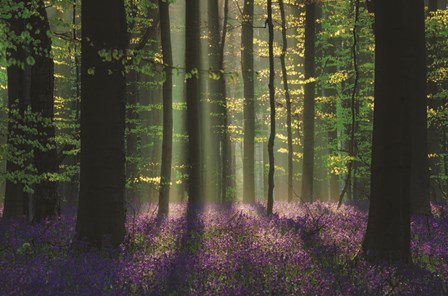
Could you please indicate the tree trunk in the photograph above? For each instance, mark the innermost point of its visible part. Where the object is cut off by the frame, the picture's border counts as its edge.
(399, 84)
(101, 212)
(192, 60)
(167, 141)
(247, 68)
(272, 108)
(42, 102)
(288, 102)
(308, 105)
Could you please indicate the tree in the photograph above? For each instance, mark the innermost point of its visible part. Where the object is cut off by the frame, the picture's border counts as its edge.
(31, 84)
(167, 141)
(101, 212)
(272, 109)
(192, 60)
(309, 104)
(288, 100)
(218, 96)
(42, 102)
(399, 85)
(247, 65)
(19, 79)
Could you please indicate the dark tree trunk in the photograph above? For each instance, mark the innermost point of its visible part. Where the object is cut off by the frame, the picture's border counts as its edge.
(247, 64)
(101, 212)
(288, 101)
(399, 84)
(192, 61)
(217, 46)
(216, 163)
(308, 105)
(167, 141)
(45, 194)
(272, 108)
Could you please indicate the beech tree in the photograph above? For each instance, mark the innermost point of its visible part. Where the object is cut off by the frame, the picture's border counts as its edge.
(217, 87)
(270, 25)
(399, 87)
(247, 64)
(167, 141)
(45, 196)
(309, 104)
(192, 61)
(287, 99)
(101, 212)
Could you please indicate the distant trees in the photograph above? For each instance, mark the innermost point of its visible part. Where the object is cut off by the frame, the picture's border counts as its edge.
(232, 88)
(399, 92)
(101, 212)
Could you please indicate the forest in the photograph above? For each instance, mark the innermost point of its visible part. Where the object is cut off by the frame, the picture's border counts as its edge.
(223, 147)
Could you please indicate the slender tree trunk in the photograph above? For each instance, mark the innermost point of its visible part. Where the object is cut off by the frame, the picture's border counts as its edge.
(101, 212)
(167, 141)
(308, 105)
(288, 101)
(192, 61)
(399, 83)
(247, 64)
(272, 108)
(214, 175)
(217, 47)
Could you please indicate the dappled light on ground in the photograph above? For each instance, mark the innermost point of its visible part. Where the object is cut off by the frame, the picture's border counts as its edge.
(232, 250)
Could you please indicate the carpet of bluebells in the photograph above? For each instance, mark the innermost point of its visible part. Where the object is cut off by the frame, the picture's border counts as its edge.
(232, 250)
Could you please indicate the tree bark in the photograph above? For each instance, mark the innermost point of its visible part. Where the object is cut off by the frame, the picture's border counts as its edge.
(399, 84)
(192, 61)
(167, 141)
(217, 46)
(247, 68)
(288, 101)
(308, 105)
(270, 24)
(45, 194)
(101, 212)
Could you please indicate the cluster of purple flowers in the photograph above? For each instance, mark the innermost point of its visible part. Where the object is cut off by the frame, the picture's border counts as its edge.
(233, 250)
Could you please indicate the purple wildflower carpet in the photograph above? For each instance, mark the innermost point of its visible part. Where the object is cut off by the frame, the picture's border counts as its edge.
(233, 250)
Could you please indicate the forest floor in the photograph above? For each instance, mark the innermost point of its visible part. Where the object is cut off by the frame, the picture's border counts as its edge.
(233, 250)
